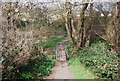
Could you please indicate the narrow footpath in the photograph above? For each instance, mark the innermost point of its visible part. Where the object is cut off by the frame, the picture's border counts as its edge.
(61, 69)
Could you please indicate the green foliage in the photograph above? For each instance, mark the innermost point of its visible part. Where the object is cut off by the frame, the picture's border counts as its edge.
(12, 50)
(69, 47)
(79, 71)
(50, 42)
(51, 52)
(37, 68)
(27, 76)
(100, 60)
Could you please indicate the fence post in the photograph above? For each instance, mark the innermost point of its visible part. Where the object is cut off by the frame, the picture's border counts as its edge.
(56, 53)
(66, 52)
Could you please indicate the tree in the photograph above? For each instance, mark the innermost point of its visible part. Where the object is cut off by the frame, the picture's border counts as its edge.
(88, 29)
(16, 45)
(69, 23)
(81, 27)
(113, 30)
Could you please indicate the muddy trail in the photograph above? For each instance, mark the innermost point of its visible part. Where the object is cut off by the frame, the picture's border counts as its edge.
(61, 69)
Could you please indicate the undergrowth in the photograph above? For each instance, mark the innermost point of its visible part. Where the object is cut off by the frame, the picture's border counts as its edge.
(100, 60)
(50, 41)
(36, 68)
(79, 71)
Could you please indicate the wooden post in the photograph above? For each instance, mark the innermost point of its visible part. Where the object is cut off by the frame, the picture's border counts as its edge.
(66, 52)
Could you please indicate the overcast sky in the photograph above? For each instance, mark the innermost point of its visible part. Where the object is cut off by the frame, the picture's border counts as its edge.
(84, 1)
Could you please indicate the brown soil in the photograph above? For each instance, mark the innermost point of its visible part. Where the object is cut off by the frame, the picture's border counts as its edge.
(61, 71)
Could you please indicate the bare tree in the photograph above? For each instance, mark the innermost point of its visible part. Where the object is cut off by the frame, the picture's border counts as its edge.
(69, 23)
(113, 34)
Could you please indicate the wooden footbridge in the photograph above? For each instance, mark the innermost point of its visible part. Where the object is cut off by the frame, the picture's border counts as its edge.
(61, 52)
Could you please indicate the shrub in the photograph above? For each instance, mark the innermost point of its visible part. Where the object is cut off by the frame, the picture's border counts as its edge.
(100, 60)
(39, 66)
(36, 68)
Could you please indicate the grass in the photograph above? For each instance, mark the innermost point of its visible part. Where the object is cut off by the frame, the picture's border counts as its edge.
(96, 58)
(51, 52)
(99, 59)
(50, 41)
(79, 71)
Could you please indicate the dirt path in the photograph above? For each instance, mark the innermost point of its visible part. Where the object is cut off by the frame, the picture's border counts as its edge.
(61, 69)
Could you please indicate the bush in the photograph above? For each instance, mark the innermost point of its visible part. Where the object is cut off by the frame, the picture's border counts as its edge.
(16, 50)
(27, 76)
(100, 60)
(36, 68)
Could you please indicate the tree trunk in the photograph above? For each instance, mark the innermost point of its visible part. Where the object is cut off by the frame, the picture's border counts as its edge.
(113, 29)
(69, 30)
(81, 27)
(69, 25)
(88, 29)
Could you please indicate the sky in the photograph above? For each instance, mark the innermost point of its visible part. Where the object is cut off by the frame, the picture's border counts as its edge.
(47, 1)
(82, 1)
